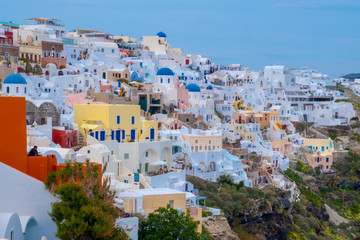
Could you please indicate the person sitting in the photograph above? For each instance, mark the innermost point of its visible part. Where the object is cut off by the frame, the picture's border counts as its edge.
(33, 152)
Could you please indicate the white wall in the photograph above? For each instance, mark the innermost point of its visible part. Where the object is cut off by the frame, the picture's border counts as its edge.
(27, 197)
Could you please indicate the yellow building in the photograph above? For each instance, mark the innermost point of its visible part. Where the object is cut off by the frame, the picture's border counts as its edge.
(114, 122)
(242, 131)
(322, 145)
(148, 200)
(322, 156)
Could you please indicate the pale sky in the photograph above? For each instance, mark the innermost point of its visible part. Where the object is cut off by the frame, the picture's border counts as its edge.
(324, 34)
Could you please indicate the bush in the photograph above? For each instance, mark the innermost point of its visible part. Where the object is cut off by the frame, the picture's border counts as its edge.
(225, 179)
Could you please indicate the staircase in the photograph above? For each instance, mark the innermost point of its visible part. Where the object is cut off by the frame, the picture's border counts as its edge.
(80, 142)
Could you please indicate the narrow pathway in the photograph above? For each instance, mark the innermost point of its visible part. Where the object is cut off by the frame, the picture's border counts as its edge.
(335, 217)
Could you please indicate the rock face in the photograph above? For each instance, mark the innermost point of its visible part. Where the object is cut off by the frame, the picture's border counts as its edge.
(219, 228)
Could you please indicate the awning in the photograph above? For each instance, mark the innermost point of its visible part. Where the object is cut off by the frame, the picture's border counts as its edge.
(34, 132)
(3, 36)
(158, 163)
(129, 195)
(190, 195)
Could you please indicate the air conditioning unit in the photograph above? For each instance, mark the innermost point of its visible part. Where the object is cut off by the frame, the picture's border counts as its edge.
(173, 179)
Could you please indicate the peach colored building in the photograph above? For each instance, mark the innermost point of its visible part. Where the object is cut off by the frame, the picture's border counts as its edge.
(105, 87)
(261, 117)
(204, 141)
(281, 146)
(115, 75)
(242, 131)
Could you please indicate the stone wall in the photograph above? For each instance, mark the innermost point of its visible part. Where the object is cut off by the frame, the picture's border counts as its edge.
(41, 113)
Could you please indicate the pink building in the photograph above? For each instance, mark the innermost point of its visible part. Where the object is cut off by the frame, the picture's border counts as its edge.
(183, 97)
(77, 98)
(107, 87)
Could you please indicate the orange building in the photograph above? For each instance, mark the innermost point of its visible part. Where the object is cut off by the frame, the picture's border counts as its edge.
(13, 131)
(14, 145)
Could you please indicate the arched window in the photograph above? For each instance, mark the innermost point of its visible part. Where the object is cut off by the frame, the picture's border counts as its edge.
(8, 89)
(17, 89)
(168, 80)
(161, 80)
(25, 90)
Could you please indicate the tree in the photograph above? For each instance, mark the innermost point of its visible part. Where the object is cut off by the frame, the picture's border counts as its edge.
(225, 178)
(168, 224)
(85, 209)
(300, 127)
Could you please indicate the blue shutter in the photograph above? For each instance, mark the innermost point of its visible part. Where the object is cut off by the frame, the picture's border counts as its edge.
(102, 135)
(123, 134)
(117, 119)
(152, 134)
(118, 135)
(97, 135)
(112, 134)
(133, 120)
(133, 133)
(92, 134)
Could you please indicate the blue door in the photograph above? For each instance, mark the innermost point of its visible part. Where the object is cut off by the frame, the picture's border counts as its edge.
(102, 135)
(136, 177)
(123, 134)
(133, 131)
(118, 135)
(97, 135)
(92, 134)
(112, 134)
(152, 134)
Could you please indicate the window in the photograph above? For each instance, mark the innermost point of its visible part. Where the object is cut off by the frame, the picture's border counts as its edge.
(17, 89)
(133, 120)
(8, 89)
(118, 119)
(327, 159)
(88, 151)
(146, 154)
(161, 80)
(171, 203)
(168, 80)
(196, 141)
(126, 156)
(25, 90)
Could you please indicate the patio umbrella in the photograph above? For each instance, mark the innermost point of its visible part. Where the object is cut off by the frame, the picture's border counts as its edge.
(32, 132)
(158, 163)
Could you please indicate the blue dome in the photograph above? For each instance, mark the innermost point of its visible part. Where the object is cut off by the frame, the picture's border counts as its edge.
(165, 71)
(161, 34)
(192, 87)
(209, 87)
(15, 79)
